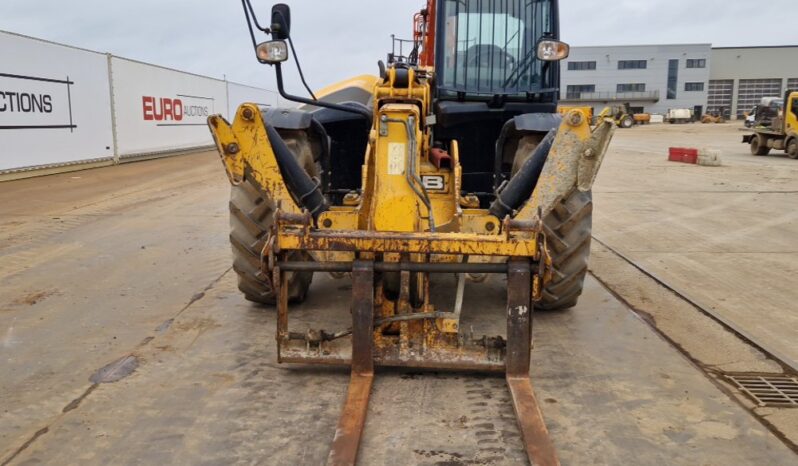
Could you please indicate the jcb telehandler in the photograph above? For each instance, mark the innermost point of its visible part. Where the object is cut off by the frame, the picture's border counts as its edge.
(452, 161)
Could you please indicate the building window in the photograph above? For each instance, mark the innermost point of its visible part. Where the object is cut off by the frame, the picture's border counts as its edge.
(581, 65)
(694, 87)
(575, 92)
(673, 78)
(696, 63)
(634, 87)
(632, 64)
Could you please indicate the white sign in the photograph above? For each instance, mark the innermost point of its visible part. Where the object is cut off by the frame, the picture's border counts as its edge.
(159, 109)
(55, 104)
(35, 102)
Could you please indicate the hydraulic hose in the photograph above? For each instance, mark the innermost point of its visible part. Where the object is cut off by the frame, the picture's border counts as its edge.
(305, 191)
(520, 187)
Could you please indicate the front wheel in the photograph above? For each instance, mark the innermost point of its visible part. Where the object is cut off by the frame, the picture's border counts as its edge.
(568, 229)
(251, 219)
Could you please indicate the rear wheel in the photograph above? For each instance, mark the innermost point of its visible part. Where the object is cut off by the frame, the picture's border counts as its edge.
(792, 148)
(568, 230)
(251, 219)
(759, 146)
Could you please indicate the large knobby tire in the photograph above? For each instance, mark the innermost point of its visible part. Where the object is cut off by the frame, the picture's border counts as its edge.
(251, 218)
(759, 146)
(568, 231)
(627, 122)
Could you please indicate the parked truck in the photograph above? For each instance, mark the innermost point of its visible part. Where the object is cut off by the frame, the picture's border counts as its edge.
(782, 134)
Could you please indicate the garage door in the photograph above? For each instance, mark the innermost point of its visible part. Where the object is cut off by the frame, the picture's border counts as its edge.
(720, 96)
(752, 90)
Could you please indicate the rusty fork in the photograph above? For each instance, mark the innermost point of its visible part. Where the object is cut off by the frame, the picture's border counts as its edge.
(353, 417)
(537, 443)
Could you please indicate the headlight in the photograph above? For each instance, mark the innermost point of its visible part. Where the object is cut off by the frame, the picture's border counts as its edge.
(553, 50)
(274, 51)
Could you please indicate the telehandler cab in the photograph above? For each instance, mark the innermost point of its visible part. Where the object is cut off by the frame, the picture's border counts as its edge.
(452, 161)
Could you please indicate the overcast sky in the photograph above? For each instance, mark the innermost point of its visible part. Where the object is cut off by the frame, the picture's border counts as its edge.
(340, 38)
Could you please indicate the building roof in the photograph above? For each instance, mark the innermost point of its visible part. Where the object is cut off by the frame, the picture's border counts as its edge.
(641, 45)
(757, 47)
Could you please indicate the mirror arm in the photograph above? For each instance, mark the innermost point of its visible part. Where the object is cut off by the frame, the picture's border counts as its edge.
(249, 11)
(316, 103)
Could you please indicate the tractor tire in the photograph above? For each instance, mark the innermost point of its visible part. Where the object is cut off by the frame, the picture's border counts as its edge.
(568, 229)
(792, 148)
(627, 122)
(759, 146)
(251, 219)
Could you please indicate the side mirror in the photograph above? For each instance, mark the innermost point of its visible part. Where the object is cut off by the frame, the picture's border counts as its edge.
(281, 21)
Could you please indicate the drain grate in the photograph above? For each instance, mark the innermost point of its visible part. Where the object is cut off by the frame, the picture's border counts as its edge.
(768, 390)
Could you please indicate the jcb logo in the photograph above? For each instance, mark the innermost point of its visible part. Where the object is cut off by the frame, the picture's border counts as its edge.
(433, 183)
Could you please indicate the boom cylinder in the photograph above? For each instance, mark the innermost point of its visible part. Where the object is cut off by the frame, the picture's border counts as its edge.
(306, 192)
(520, 187)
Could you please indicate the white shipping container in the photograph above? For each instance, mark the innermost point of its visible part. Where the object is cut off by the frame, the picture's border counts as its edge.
(160, 110)
(55, 104)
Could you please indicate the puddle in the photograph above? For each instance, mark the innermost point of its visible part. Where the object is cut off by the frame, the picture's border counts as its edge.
(116, 370)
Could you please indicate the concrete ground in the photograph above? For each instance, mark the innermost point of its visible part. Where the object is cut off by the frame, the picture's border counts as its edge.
(133, 261)
(726, 236)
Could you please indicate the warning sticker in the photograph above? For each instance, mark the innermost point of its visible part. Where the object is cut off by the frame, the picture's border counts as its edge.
(396, 158)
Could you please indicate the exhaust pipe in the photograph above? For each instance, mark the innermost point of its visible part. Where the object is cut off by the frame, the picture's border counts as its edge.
(520, 187)
(305, 191)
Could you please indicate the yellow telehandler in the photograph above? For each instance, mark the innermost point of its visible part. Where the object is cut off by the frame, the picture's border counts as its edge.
(452, 161)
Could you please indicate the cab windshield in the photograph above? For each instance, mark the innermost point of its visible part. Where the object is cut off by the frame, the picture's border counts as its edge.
(489, 46)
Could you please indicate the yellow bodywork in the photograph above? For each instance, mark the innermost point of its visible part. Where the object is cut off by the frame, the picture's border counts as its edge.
(791, 115)
(390, 216)
(364, 82)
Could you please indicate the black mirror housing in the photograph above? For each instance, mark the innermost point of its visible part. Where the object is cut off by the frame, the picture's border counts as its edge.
(281, 21)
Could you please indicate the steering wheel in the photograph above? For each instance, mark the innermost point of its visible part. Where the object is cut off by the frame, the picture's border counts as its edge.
(480, 55)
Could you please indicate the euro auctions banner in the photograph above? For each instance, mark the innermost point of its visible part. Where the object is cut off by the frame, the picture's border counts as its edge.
(158, 109)
(54, 104)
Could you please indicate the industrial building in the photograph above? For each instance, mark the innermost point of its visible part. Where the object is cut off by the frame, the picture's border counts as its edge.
(656, 78)
(741, 76)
